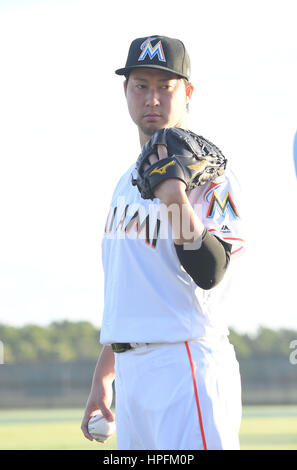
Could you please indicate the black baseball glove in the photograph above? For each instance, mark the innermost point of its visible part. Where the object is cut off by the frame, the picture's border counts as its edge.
(191, 159)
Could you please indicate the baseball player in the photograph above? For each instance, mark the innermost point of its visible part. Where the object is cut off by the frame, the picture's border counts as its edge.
(168, 261)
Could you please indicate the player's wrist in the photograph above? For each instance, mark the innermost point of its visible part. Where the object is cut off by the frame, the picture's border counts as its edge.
(172, 191)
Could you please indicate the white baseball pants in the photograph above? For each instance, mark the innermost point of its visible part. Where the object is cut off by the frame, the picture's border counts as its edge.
(184, 396)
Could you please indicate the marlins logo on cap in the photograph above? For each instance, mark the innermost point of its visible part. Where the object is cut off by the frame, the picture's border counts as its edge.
(150, 50)
(158, 52)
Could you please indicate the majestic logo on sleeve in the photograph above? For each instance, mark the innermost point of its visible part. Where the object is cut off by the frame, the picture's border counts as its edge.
(152, 51)
(216, 204)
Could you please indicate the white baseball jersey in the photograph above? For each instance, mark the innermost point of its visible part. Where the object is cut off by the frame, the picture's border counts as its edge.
(149, 297)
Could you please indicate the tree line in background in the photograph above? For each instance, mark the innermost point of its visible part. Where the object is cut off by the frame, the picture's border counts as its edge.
(79, 341)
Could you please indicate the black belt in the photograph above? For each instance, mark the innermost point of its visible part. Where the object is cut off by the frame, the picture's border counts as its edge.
(122, 347)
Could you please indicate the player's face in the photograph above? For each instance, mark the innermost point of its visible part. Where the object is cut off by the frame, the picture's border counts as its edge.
(156, 99)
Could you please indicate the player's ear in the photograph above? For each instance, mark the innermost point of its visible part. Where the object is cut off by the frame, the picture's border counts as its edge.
(189, 92)
(125, 84)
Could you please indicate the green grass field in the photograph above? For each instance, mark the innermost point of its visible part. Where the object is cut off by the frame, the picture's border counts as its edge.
(263, 427)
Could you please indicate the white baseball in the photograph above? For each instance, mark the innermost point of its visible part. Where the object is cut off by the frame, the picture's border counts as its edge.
(99, 427)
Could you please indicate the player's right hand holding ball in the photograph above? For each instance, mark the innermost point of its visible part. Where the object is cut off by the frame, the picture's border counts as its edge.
(100, 399)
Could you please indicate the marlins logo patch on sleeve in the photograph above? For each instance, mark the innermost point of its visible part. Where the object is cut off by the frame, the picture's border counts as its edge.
(221, 216)
(216, 204)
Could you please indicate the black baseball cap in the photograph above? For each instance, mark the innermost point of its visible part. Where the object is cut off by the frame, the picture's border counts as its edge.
(158, 52)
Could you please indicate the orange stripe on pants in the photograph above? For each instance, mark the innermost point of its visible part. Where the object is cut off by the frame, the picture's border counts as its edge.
(196, 396)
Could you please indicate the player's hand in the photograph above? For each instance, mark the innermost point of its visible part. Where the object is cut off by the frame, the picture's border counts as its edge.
(100, 398)
(168, 191)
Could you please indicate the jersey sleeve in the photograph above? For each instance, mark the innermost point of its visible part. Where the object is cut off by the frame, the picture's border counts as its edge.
(218, 204)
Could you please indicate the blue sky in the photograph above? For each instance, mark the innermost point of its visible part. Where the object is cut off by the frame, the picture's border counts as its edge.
(60, 104)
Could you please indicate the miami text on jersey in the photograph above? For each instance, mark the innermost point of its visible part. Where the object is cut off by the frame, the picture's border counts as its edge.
(120, 222)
